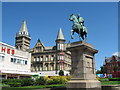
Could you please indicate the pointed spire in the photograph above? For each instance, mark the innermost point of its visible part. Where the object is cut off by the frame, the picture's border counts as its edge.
(60, 35)
(39, 42)
(23, 29)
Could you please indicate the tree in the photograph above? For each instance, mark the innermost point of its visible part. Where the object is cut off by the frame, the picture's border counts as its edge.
(115, 68)
(61, 73)
(98, 72)
(103, 71)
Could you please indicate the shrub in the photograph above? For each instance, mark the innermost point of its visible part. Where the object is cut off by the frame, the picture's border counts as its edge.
(18, 82)
(68, 78)
(97, 78)
(5, 81)
(114, 79)
(57, 80)
(41, 81)
(13, 84)
(61, 73)
(27, 82)
(49, 81)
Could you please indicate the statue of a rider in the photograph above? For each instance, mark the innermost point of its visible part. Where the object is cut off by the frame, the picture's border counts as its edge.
(80, 20)
(78, 26)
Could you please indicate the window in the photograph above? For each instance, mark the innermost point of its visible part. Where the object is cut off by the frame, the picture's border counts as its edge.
(119, 64)
(18, 61)
(46, 58)
(36, 68)
(14, 60)
(11, 59)
(38, 49)
(46, 67)
(34, 58)
(2, 58)
(41, 59)
(41, 68)
(52, 57)
(52, 66)
(60, 66)
(60, 47)
(60, 57)
(22, 61)
(38, 59)
(25, 62)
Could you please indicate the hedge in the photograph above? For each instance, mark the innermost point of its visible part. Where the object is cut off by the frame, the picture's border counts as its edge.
(38, 81)
(114, 79)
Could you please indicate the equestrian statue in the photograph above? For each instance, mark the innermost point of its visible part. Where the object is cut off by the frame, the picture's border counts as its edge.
(78, 27)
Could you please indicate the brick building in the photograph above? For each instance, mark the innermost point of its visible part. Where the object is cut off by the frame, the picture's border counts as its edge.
(111, 63)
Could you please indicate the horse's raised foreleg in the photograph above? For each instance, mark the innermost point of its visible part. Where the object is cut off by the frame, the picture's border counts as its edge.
(72, 33)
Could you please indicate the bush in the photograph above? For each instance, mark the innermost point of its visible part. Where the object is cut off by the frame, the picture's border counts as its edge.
(18, 82)
(41, 81)
(57, 80)
(61, 73)
(13, 84)
(114, 79)
(68, 78)
(49, 81)
(27, 82)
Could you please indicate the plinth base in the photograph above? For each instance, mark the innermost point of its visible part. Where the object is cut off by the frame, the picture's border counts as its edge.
(84, 85)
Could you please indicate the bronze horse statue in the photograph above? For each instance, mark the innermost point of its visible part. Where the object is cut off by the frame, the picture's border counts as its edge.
(78, 27)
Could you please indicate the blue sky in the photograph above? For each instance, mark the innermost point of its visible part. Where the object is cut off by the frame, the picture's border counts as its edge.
(45, 19)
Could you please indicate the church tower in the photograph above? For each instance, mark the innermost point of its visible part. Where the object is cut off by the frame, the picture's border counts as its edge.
(60, 50)
(23, 38)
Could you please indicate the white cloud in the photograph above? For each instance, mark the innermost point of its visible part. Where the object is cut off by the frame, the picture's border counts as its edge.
(116, 53)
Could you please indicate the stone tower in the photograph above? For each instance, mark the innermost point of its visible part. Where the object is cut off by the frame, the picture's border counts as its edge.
(60, 50)
(23, 38)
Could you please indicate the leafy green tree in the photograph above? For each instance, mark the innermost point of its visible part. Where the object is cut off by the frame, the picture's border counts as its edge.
(115, 68)
(98, 72)
(61, 73)
(102, 71)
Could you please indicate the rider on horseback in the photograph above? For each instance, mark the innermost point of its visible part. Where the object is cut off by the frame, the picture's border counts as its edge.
(78, 26)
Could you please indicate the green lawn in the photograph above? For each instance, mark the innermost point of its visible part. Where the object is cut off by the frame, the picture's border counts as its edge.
(105, 81)
(44, 86)
(34, 87)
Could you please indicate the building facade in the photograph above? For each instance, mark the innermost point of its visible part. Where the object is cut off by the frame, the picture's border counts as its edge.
(22, 39)
(49, 60)
(111, 63)
(14, 63)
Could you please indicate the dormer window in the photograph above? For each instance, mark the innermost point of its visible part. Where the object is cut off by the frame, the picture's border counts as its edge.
(38, 49)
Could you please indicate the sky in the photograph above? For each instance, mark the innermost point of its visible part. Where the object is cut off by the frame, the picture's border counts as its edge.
(44, 19)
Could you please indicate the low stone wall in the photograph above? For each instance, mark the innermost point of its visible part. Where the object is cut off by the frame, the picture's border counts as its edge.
(108, 87)
(111, 87)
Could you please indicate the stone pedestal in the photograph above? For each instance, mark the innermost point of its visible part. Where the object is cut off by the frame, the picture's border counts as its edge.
(83, 67)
